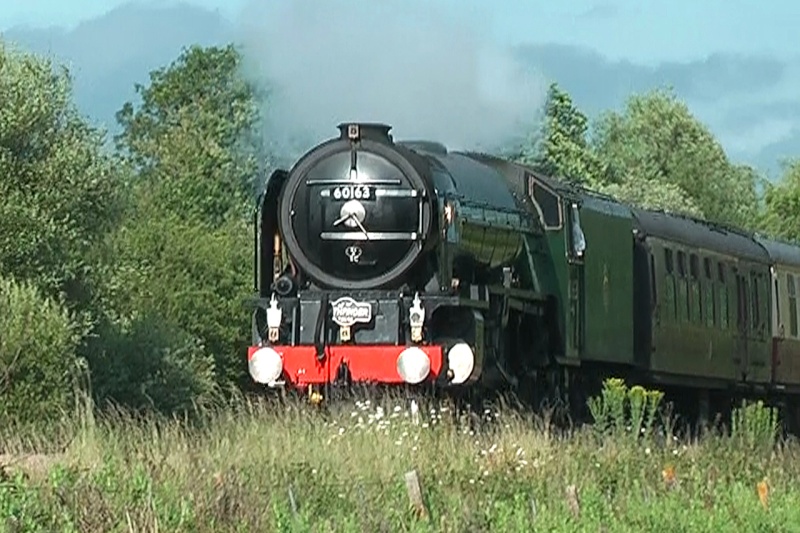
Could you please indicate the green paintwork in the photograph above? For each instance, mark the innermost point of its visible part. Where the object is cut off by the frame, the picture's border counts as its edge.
(491, 236)
(595, 292)
(607, 280)
(689, 340)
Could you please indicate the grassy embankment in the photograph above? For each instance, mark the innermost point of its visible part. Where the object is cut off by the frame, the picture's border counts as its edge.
(252, 469)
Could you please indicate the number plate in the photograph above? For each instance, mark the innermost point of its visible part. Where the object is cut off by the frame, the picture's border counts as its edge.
(353, 192)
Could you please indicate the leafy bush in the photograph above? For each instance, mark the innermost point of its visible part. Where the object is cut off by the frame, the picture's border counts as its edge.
(193, 277)
(152, 364)
(38, 366)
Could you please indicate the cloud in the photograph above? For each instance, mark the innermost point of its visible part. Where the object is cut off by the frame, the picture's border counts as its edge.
(108, 55)
(749, 102)
(428, 72)
(601, 11)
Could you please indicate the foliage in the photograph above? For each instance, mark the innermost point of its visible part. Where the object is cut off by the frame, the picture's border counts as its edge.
(194, 139)
(183, 257)
(59, 193)
(661, 155)
(755, 425)
(193, 279)
(253, 467)
(782, 204)
(561, 148)
(620, 409)
(151, 364)
(38, 367)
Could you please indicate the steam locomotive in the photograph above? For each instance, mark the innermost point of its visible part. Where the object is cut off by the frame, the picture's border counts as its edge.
(404, 263)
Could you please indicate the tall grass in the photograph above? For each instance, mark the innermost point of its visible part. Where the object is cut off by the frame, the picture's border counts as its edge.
(259, 466)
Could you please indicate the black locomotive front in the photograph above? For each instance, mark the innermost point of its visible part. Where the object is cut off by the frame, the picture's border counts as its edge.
(356, 218)
(356, 212)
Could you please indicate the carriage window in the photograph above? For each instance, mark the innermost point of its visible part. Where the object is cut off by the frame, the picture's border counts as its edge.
(669, 284)
(695, 306)
(682, 264)
(755, 306)
(709, 309)
(777, 301)
(683, 289)
(791, 289)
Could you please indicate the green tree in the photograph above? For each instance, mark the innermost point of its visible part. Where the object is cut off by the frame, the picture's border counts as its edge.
(61, 196)
(184, 255)
(195, 139)
(560, 147)
(782, 204)
(662, 156)
(59, 193)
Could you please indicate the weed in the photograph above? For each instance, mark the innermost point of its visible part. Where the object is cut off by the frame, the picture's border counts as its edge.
(262, 466)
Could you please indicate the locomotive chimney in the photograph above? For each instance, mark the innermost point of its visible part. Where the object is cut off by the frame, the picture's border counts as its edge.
(375, 131)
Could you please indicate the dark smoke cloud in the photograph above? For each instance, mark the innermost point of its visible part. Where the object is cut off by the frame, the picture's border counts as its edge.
(430, 73)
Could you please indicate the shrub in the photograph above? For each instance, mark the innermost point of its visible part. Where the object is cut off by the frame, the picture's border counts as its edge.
(38, 365)
(152, 364)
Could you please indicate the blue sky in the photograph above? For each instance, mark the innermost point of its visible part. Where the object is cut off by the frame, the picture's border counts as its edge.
(620, 29)
(735, 64)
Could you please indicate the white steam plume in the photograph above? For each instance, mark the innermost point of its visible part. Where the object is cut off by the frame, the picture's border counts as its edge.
(426, 72)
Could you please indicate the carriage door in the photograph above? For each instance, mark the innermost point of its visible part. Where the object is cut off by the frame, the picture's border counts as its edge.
(576, 247)
(741, 357)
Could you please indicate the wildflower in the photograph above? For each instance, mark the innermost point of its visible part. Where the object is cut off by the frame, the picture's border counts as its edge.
(415, 412)
(668, 475)
(763, 492)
